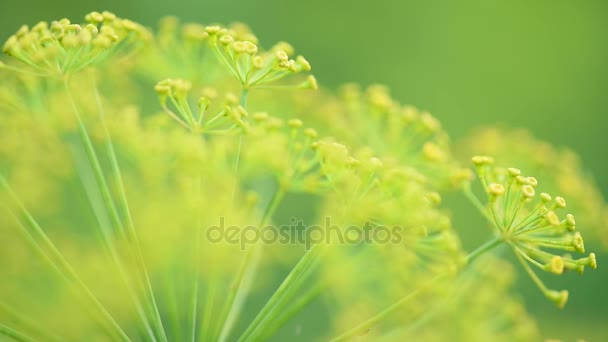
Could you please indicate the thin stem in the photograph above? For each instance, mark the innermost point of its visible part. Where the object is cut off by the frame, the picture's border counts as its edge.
(132, 234)
(294, 309)
(237, 158)
(107, 237)
(95, 164)
(250, 261)
(284, 293)
(483, 248)
(206, 334)
(529, 270)
(363, 327)
(477, 204)
(234, 288)
(60, 264)
(14, 334)
(195, 286)
(28, 324)
(244, 276)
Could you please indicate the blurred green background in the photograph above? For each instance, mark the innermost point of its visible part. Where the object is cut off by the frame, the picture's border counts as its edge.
(537, 64)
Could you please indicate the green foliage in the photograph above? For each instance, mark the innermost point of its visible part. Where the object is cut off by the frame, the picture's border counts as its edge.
(124, 151)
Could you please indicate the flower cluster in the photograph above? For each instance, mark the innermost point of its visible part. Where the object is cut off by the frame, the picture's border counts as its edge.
(252, 68)
(62, 47)
(398, 134)
(532, 228)
(176, 91)
(98, 181)
(560, 169)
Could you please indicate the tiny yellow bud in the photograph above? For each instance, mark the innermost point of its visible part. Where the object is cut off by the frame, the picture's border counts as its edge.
(182, 87)
(23, 30)
(432, 152)
(282, 46)
(281, 56)
(462, 175)
(570, 222)
(295, 123)
(482, 160)
(129, 25)
(102, 42)
(260, 116)
(69, 41)
(92, 29)
(226, 39)
(311, 133)
(552, 218)
(9, 45)
(578, 243)
(94, 17)
(310, 83)
(592, 261)
(258, 62)
(528, 191)
(558, 297)
(212, 30)
(556, 265)
(238, 47)
(231, 99)
(560, 202)
(545, 197)
(303, 63)
(41, 27)
(250, 48)
(496, 189)
(108, 16)
(521, 180)
(513, 172)
(430, 123)
(532, 181)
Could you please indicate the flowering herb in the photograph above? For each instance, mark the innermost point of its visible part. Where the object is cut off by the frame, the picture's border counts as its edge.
(244, 200)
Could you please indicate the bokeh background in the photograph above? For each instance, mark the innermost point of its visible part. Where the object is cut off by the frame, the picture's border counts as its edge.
(539, 64)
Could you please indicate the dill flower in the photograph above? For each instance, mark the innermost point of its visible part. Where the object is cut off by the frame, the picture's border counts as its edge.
(530, 224)
(397, 133)
(231, 116)
(251, 67)
(139, 212)
(560, 169)
(61, 47)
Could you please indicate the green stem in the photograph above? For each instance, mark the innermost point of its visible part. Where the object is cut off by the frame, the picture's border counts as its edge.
(196, 254)
(475, 201)
(57, 261)
(252, 256)
(285, 292)
(13, 334)
(107, 238)
(237, 158)
(206, 334)
(233, 290)
(295, 308)
(483, 248)
(172, 306)
(133, 240)
(32, 327)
